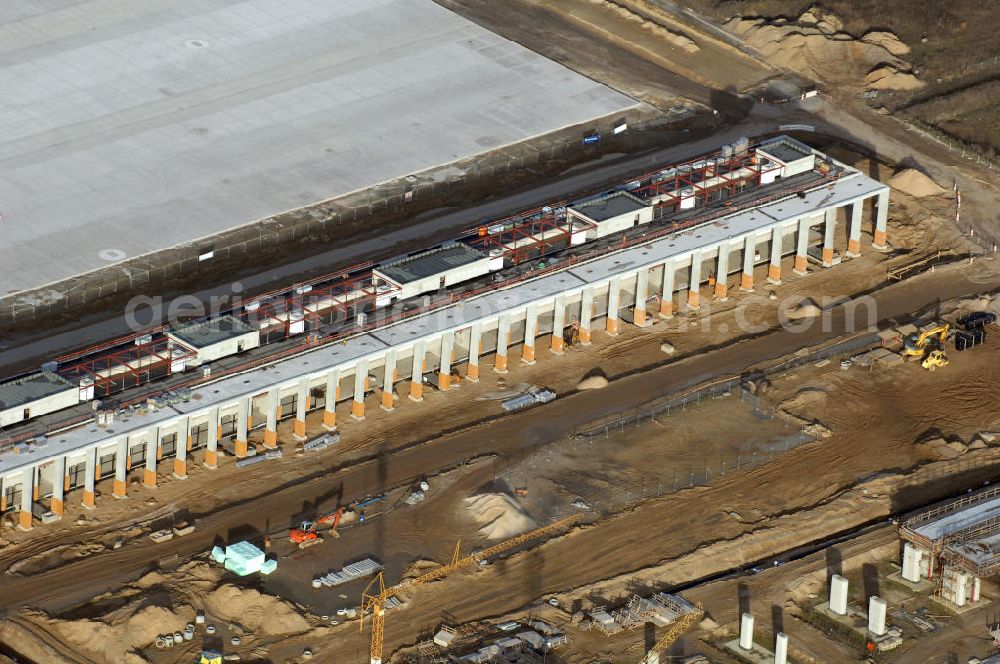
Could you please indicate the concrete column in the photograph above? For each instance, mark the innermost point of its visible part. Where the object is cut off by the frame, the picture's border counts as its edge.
(152, 445)
(475, 348)
(749, 258)
(332, 394)
(27, 498)
(746, 632)
(876, 615)
(558, 324)
(180, 456)
(121, 468)
(417, 375)
(802, 247)
(829, 227)
(780, 648)
(667, 291)
(58, 486)
(911, 563)
(641, 293)
(301, 406)
(89, 478)
(530, 332)
(614, 298)
(388, 381)
(444, 371)
(212, 449)
(774, 267)
(586, 314)
(271, 427)
(503, 338)
(854, 230)
(881, 220)
(242, 427)
(694, 284)
(838, 595)
(722, 272)
(360, 380)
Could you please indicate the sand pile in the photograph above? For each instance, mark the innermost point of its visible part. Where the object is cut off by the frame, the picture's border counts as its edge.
(815, 45)
(499, 515)
(594, 382)
(255, 611)
(807, 308)
(938, 449)
(913, 182)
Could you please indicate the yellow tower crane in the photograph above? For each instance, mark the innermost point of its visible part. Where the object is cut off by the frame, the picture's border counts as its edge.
(674, 633)
(376, 595)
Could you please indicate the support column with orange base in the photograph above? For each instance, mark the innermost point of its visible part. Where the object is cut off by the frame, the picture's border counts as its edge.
(475, 348)
(774, 273)
(854, 231)
(749, 262)
(241, 444)
(273, 413)
(530, 332)
(722, 272)
(301, 406)
(214, 432)
(60, 480)
(444, 367)
(360, 383)
(180, 455)
(558, 324)
(641, 295)
(149, 472)
(586, 314)
(388, 381)
(881, 220)
(777, 246)
(667, 290)
(694, 282)
(332, 395)
(801, 266)
(614, 302)
(829, 233)
(121, 469)
(89, 479)
(27, 497)
(417, 372)
(503, 338)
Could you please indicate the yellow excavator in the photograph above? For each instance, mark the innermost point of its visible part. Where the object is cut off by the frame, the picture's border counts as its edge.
(917, 344)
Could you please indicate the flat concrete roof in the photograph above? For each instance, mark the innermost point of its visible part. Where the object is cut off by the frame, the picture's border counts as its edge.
(37, 386)
(132, 127)
(608, 206)
(210, 332)
(962, 518)
(428, 263)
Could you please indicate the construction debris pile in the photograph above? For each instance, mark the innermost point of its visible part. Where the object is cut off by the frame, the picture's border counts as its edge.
(358, 570)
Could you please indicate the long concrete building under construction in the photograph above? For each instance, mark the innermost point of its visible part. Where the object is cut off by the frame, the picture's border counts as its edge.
(653, 273)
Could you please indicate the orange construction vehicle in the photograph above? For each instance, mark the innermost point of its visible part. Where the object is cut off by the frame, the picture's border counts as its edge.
(306, 535)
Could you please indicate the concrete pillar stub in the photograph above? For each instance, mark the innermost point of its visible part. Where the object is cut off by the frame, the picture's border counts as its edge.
(838, 595)
(780, 648)
(876, 615)
(746, 631)
(641, 294)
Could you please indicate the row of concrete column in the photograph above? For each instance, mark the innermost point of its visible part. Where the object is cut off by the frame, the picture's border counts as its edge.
(444, 347)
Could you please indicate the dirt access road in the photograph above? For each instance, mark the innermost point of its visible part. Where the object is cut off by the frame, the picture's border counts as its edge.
(389, 466)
